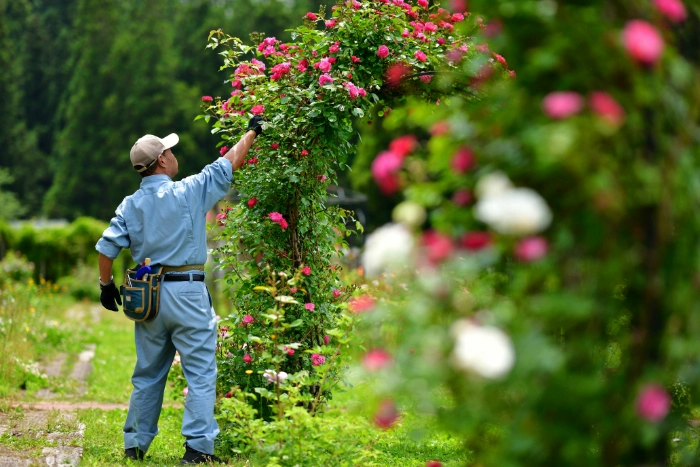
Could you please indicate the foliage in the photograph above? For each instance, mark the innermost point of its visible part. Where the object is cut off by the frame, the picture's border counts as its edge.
(15, 268)
(597, 309)
(80, 283)
(315, 88)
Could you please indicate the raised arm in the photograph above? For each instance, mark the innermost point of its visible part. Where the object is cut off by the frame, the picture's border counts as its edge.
(237, 154)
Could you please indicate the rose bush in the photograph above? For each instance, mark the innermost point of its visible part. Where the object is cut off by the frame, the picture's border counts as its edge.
(280, 241)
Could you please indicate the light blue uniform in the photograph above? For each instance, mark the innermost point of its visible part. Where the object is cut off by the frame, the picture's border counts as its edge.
(166, 221)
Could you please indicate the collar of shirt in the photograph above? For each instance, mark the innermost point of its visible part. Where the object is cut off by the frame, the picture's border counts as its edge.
(156, 179)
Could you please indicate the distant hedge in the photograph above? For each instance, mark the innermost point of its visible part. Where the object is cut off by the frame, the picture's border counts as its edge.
(56, 251)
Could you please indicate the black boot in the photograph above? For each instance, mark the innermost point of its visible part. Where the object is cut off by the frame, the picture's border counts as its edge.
(192, 456)
(134, 453)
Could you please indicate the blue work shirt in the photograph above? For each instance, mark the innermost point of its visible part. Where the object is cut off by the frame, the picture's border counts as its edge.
(166, 220)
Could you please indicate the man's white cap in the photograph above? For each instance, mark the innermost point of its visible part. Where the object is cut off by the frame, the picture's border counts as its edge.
(147, 149)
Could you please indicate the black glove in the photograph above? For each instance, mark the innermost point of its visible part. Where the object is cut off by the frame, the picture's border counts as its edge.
(255, 124)
(109, 296)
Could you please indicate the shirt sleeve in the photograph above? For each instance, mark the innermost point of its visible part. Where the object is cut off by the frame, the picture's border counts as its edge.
(115, 237)
(211, 184)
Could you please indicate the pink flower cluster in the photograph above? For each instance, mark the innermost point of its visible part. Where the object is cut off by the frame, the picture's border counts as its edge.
(306, 270)
(267, 46)
(207, 98)
(325, 79)
(257, 109)
(280, 70)
(386, 165)
(278, 218)
(564, 104)
(376, 359)
(317, 359)
(310, 306)
(354, 91)
(248, 319)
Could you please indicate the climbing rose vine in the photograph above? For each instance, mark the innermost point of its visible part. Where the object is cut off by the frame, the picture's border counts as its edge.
(280, 240)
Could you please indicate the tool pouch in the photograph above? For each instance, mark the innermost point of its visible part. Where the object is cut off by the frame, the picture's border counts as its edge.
(141, 298)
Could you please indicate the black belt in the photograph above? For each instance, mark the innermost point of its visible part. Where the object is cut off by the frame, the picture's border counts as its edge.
(183, 277)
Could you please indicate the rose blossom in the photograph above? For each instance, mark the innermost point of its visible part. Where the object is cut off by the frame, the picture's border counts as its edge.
(485, 350)
(387, 414)
(438, 246)
(383, 51)
(185, 391)
(531, 249)
(653, 403)
(273, 377)
(384, 171)
(336, 293)
(361, 304)
(247, 319)
(474, 241)
(207, 98)
(288, 350)
(517, 211)
(223, 150)
(220, 218)
(304, 152)
(324, 79)
(462, 160)
(386, 248)
(423, 3)
(326, 339)
(311, 16)
(643, 42)
(334, 48)
(403, 145)
(560, 105)
(501, 60)
(376, 359)
(317, 359)
(425, 78)
(325, 65)
(409, 213)
(605, 106)
(330, 23)
(247, 358)
(420, 56)
(493, 183)
(257, 109)
(310, 306)
(671, 9)
(252, 202)
(306, 270)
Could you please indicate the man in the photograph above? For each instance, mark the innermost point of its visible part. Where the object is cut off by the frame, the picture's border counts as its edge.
(165, 221)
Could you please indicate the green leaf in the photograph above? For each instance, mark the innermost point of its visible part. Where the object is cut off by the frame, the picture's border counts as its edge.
(285, 299)
(296, 323)
(358, 112)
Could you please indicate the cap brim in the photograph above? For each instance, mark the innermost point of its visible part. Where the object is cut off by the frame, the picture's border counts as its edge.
(170, 141)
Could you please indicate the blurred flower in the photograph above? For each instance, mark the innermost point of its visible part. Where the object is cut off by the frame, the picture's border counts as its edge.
(382, 51)
(388, 246)
(288, 350)
(330, 23)
(336, 293)
(500, 59)
(274, 145)
(474, 241)
(326, 339)
(560, 105)
(420, 56)
(403, 145)
(492, 184)
(317, 359)
(304, 152)
(220, 219)
(207, 98)
(439, 128)
(247, 358)
(387, 414)
(423, 3)
(278, 218)
(485, 350)
(643, 42)
(185, 391)
(257, 109)
(247, 319)
(376, 360)
(462, 160)
(273, 377)
(325, 79)
(425, 78)
(361, 304)
(433, 464)
(293, 290)
(437, 245)
(531, 249)
(409, 213)
(252, 202)
(653, 403)
(517, 211)
(605, 106)
(396, 72)
(306, 270)
(309, 306)
(385, 168)
(324, 65)
(311, 16)
(671, 9)
(461, 198)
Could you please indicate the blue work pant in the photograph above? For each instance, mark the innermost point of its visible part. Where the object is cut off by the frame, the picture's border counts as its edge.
(186, 322)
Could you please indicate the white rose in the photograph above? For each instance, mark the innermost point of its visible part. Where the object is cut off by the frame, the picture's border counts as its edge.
(516, 211)
(409, 213)
(485, 350)
(387, 247)
(492, 184)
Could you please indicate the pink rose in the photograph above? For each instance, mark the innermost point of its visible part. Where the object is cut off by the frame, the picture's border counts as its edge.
(355, 59)
(324, 79)
(560, 105)
(223, 150)
(326, 339)
(247, 358)
(306, 270)
(247, 319)
(385, 168)
(304, 152)
(403, 145)
(653, 403)
(288, 350)
(317, 359)
(606, 107)
(361, 304)
(383, 51)
(376, 359)
(274, 145)
(674, 10)
(252, 202)
(220, 218)
(207, 98)
(336, 293)
(330, 23)
(425, 78)
(438, 246)
(531, 249)
(462, 160)
(236, 83)
(325, 65)
(420, 56)
(185, 391)
(334, 48)
(643, 42)
(311, 16)
(387, 414)
(457, 17)
(309, 306)
(423, 3)
(257, 109)
(501, 60)
(461, 198)
(474, 241)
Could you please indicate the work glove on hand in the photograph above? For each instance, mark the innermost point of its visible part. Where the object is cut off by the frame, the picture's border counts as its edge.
(109, 296)
(255, 124)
